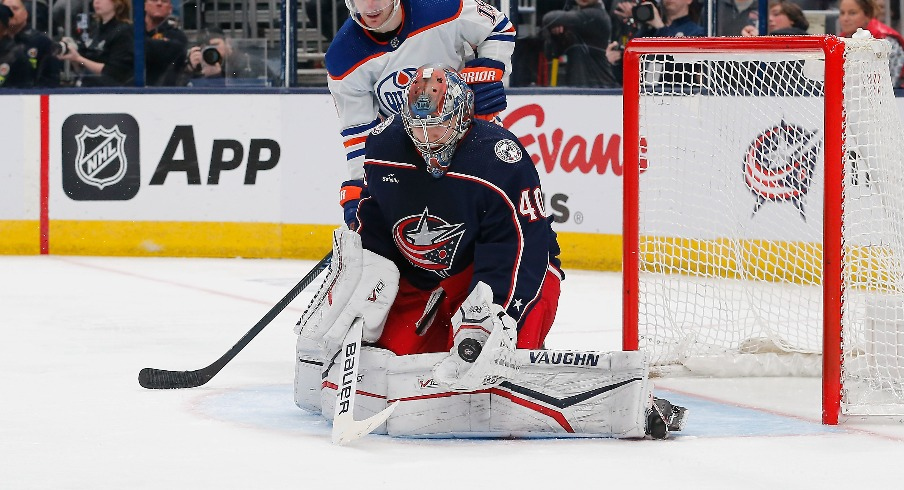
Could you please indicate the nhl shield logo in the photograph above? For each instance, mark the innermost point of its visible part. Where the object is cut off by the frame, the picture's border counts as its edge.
(101, 158)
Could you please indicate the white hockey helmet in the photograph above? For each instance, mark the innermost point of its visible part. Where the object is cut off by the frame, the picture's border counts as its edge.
(359, 8)
(437, 113)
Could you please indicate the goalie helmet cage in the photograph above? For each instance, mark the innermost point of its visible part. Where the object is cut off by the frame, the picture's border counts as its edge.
(763, 213)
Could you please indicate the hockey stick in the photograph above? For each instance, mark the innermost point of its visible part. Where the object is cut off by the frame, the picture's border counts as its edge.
(345, 428)
(157, 379)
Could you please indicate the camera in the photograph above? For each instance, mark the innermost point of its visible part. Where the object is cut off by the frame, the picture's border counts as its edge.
(61, 46)
(210, 55)
(644, 11)
(58, 48)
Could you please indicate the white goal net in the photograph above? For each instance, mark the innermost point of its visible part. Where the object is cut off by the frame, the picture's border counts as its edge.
(764, 213)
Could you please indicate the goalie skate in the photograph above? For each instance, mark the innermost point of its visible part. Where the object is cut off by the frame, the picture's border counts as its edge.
(664, 418)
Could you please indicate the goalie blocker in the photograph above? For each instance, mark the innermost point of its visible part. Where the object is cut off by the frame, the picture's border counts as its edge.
(555, 393)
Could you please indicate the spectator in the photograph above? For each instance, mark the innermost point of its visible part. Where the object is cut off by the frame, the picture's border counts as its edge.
(529, 65)
(15, 72)
(164, 46)
(214, 60)
(36, 45)
(204, 62)
(105, 58)
(676, 18)
(854, 14)
(581, 34)
(732, 16)
(785, 19)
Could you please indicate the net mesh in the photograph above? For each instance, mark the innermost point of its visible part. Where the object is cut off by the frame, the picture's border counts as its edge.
(731, 218)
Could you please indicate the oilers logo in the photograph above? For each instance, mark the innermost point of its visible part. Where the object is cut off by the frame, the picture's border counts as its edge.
(428, 242)
(391, 90)
(779, 165)
(101, 160)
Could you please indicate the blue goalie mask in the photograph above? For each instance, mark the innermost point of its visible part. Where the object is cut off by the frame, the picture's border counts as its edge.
(437, 113)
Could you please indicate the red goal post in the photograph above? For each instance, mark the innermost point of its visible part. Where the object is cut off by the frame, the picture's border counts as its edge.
(735, 233)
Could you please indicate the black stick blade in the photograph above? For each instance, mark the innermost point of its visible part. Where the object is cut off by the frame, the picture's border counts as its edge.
(161, 379)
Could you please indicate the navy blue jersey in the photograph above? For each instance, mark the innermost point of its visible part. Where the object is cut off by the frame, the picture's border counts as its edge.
(487, 211)
(45, 66)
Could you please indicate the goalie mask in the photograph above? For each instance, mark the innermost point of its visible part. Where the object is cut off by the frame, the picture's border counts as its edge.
(437, 113)
(372, 14)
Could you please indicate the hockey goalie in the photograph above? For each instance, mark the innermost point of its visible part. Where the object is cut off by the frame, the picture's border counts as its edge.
(451, 284)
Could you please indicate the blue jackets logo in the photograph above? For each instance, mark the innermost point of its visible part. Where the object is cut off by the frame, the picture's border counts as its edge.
(428, 242)
(779, 165)
(100, 157)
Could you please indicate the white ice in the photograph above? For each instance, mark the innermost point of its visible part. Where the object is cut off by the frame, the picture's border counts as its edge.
(75, 331)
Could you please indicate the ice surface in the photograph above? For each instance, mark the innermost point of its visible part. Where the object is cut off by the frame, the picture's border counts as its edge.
(75, 331)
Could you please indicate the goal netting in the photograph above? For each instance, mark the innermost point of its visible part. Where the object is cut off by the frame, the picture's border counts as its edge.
(764, 213)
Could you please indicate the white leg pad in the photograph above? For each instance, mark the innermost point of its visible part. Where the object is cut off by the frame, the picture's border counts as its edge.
(556, 393)
(308, 371)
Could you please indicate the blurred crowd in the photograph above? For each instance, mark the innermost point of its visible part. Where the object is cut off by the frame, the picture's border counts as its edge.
(100, 50)
(579, 43)
(575, 43)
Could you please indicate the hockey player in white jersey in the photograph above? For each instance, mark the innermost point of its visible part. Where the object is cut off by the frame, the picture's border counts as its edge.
(382, 44)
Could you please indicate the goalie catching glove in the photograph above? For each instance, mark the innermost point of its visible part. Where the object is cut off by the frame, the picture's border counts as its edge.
(360, 283)
(483, 350)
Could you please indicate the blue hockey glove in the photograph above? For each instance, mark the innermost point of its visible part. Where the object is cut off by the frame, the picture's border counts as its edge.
(484, 76)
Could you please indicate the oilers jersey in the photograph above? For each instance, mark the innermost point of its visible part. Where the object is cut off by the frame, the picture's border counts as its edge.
(486, 211)
(367, 75)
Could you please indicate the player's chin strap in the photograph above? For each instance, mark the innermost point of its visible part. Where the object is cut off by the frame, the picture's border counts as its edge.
(345, 428)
